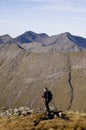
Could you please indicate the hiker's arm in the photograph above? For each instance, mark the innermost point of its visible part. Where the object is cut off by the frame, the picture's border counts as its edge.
(43, 96)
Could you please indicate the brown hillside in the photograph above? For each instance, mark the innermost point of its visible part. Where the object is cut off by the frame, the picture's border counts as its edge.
(23, 75)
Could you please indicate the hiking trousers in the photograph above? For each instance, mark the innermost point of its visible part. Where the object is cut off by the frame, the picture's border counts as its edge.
(47, 106)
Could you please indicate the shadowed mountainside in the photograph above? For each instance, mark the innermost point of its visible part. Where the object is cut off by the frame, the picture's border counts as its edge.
(27, 37)
(30, 36)
(23, 74)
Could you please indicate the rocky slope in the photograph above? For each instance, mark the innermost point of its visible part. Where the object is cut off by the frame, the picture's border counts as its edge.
(24, 74)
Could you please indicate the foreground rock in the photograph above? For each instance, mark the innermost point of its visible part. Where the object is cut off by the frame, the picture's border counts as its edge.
(16, 111)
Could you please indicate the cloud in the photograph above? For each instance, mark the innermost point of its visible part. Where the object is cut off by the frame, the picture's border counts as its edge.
(73, 6)
(62, 8)
(48, 6)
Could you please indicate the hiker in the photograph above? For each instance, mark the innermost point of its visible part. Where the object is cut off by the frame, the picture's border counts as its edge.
(48, 97)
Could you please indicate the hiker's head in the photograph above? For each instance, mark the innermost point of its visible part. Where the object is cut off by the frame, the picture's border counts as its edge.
(45, 89)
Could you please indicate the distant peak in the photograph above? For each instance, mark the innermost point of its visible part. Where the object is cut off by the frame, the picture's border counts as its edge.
(30, 36)
(6, 35)
(67, 34)
(33, 33)
(44, 34)
(30, 32)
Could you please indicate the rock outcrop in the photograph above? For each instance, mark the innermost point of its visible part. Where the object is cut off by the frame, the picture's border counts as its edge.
(16, 111)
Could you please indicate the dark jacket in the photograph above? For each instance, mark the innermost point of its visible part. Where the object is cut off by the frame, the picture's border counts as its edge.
(48, 96)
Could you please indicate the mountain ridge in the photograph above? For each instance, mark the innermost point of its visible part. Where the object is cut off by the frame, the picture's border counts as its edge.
(30, 36)
(64, 42)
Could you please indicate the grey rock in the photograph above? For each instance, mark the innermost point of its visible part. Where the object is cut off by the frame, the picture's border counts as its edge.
(17, 112)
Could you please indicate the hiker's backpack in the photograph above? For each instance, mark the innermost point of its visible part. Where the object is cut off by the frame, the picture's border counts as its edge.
(49, 96)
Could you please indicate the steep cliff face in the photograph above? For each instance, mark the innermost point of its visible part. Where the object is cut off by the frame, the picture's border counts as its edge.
(23, 74)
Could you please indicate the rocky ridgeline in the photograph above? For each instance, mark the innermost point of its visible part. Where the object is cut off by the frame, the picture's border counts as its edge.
(17, 111)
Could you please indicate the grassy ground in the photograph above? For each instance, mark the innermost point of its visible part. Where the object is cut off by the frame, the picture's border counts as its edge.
(37, 121)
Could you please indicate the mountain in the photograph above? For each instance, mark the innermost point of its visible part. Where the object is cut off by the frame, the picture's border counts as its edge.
(78, 40)
(30, 36)
(5, 39)
(57, 62)
(64, 42)
(27, 37)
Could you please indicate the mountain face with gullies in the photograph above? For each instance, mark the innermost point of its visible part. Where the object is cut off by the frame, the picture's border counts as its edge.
(32, 61)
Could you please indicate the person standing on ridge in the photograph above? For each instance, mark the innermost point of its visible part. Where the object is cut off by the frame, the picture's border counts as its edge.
(48, 97)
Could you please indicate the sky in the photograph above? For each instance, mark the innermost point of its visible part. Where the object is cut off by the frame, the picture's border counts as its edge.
(43, 16)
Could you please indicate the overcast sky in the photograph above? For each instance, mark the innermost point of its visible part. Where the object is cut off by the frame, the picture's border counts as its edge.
(49, 16)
